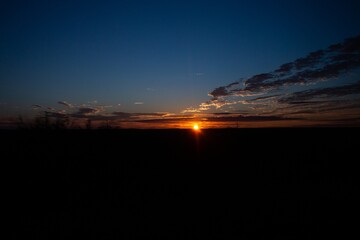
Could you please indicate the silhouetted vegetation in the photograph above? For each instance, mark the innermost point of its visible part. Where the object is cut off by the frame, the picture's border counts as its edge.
(47, 121)
(176, 184)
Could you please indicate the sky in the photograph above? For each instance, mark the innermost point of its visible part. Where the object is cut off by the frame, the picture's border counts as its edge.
(160, 64)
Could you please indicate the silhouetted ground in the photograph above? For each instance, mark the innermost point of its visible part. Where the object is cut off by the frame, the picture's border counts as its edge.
(175, 184)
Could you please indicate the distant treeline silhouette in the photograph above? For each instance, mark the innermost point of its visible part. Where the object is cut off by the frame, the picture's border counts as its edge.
(46, 121)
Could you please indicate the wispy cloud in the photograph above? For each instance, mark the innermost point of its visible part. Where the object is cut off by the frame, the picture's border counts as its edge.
(138, 103)
(307, 86)
(250, 118)
(87, 111)
(66, 104)
(36, 106)
(138, 116)
(102, 113)
(300, 97)
(318, 66)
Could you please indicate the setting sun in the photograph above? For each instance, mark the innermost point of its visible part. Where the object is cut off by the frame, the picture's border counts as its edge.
(196, 127)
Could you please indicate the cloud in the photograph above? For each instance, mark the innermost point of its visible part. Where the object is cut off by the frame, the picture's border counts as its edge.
(219, 118)
(206, 106)
(151, 114)
(65, 104)
(301, 97)
(36, 106)
(321, 65)
(104, 106)
(138, 103)
(167, 120)
(329, 110)
(87, 111)
(266, 97)
(191, 110)
(322, 86)
(222, 113)
(250, 118)
(122, 114)
(78, 115)
(219, 92)
(126, 115)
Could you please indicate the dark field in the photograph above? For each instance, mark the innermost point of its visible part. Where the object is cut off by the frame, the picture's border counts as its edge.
(175, 184)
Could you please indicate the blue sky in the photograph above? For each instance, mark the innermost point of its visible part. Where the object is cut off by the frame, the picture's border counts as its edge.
(167, 55)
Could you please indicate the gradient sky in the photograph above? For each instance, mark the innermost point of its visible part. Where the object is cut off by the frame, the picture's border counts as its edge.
(154, 63)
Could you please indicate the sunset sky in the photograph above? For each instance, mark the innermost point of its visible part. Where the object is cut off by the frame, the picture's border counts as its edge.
(159, 64)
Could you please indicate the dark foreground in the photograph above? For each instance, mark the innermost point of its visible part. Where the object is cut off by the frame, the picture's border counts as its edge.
(174, 184)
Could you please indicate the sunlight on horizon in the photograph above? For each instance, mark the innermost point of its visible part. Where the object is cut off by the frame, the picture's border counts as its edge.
(196, 128)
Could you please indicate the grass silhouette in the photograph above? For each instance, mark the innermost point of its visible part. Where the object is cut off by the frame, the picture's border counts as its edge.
(222, 183)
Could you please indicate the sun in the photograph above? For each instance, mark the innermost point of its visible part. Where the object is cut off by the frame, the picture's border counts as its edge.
(196, 128)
